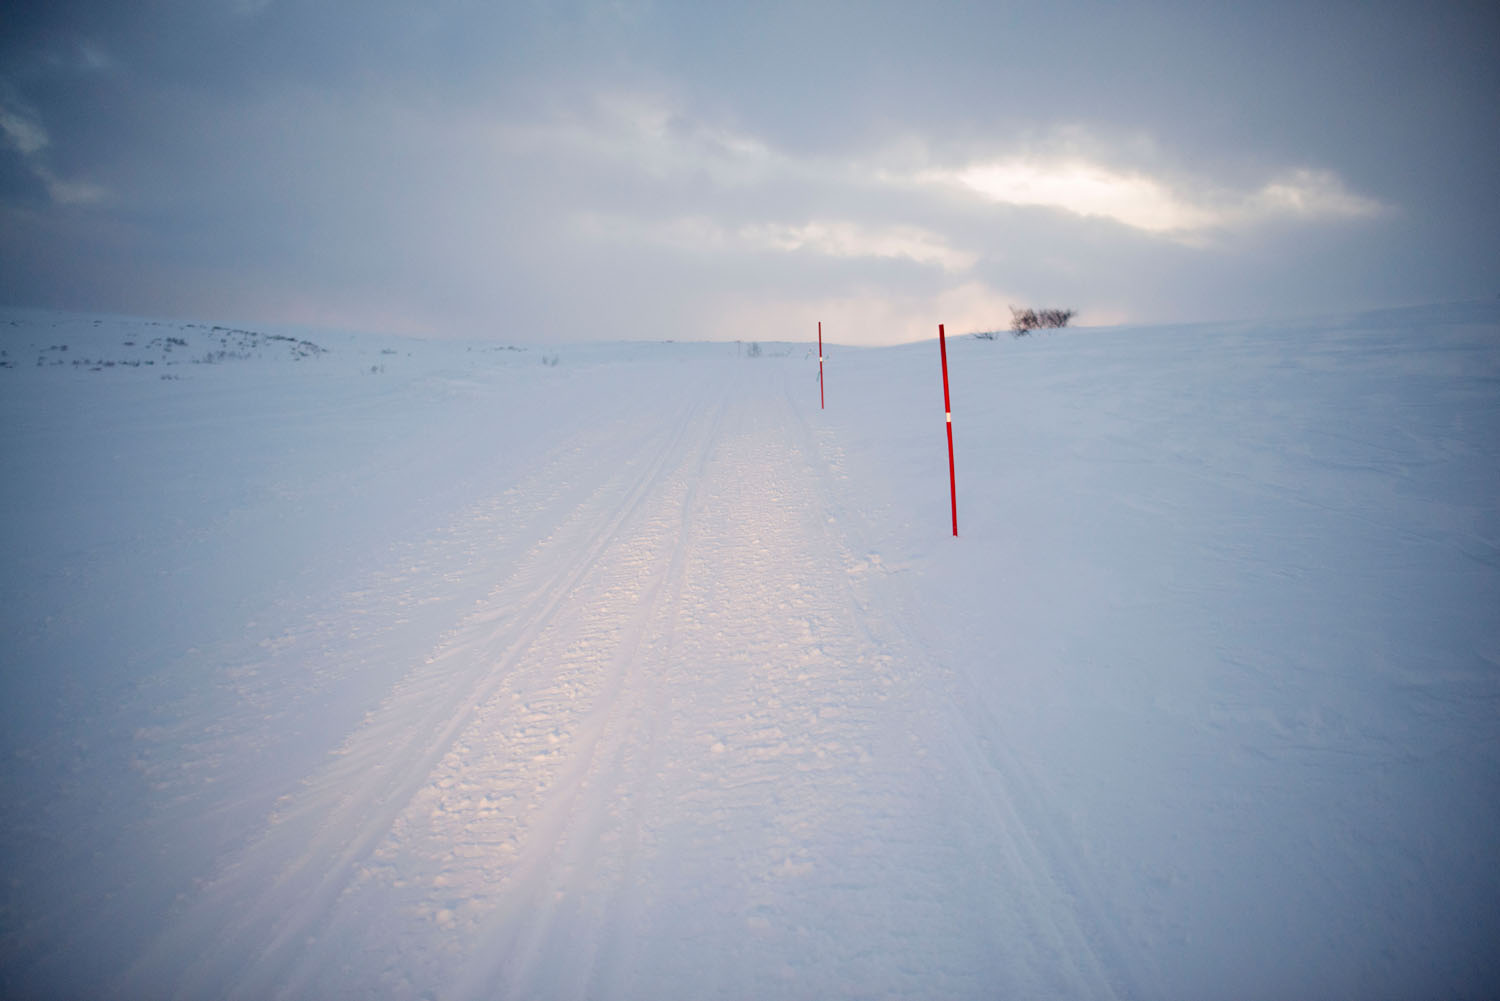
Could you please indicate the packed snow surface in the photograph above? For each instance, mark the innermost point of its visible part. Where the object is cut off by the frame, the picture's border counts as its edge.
(337, 665)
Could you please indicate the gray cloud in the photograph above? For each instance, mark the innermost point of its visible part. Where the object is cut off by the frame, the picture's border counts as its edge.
(662, 169)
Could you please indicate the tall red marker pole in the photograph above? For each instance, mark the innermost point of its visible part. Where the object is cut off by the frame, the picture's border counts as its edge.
(948, 413)
(820, 365)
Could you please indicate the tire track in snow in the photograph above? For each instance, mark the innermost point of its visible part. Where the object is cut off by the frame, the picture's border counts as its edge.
(278, 681)
(609, 772)
(251, 925)
(513, 809)
(790, 852)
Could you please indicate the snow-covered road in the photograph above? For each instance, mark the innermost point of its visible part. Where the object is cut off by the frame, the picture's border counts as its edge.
(685, 747)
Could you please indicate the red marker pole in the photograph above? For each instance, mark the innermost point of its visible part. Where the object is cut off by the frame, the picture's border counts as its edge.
(820, 365)
(948, 413)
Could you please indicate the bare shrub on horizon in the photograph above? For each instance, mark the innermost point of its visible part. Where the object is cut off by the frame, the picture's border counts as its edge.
(1024, 321)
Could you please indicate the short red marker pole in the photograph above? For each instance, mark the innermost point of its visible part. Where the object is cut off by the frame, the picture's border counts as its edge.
(948, 415)
(820, 366)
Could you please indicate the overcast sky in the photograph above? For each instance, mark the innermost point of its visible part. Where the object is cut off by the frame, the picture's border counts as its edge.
(643, 169)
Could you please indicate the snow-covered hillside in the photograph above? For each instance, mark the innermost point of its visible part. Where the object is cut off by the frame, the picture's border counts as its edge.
(340, 665)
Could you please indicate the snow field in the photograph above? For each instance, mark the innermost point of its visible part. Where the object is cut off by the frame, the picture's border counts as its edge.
(1229, 595)
(408, 670)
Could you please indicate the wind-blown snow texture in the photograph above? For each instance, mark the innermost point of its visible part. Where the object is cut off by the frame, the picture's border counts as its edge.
(336, 665)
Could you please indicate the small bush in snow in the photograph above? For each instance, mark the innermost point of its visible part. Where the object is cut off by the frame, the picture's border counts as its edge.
(1024, 321)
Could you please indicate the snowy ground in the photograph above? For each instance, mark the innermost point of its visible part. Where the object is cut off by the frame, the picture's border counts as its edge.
(340, 665)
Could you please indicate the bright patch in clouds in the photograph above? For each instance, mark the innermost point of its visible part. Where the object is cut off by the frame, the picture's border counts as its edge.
(698, 234)
(1146, 203)
(650, 136)
(845, 239)
(1081, 188)
(1315, 193)
(666, 143)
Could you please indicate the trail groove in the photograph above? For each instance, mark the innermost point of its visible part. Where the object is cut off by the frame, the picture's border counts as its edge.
(686, 747)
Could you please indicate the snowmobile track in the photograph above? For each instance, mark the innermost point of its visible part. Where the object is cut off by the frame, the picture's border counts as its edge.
(247, 934)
